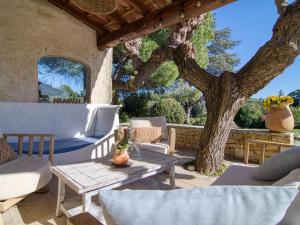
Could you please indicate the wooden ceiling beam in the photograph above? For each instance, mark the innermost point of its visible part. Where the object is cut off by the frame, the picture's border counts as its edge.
(82, 16)
(170, 15)
(139, 6)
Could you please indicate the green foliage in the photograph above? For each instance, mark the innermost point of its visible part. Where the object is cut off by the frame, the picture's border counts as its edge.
(296, 113)
(152, 42)
(170, 108)
(69, 91)
(137, 104)
(166, 74)
(197, 121)
(220, 59)
(148, 46)
(203, 34)
(250, 115)
(296, 96)
(199, 109)
(124, 118)
(185, 94)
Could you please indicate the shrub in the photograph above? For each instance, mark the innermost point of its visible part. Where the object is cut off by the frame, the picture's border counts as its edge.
(296, 113)
(197, 121)
(124, 118)
(137, 105)
(250, 115)
(170, 108)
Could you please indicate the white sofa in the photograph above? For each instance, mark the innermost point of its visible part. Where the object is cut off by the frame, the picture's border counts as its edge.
(82, 132)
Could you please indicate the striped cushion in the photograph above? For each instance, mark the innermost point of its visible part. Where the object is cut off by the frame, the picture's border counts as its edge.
(6, 152)
(147, 134)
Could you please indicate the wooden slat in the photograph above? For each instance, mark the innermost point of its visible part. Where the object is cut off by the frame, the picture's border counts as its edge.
(30, 145)
(20, 145)
(5, 205)
(262, 154)
(170, 15)
(246, 153)
(51, 148)
(138, 6)
(269, 142)
(41, 146)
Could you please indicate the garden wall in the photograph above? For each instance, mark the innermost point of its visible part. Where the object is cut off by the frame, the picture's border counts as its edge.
(188, 138)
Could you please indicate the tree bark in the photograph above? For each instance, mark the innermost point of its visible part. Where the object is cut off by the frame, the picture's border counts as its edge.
(188, 114)
(222, 102)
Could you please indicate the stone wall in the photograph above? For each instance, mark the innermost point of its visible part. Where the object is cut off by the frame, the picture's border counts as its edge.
(30, 29)
(188, 138)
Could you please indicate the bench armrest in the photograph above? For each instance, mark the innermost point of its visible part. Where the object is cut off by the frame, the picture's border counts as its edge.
(172, 139)
(30, 147)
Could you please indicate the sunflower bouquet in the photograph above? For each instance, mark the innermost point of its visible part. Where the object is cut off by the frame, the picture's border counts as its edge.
(275, 102)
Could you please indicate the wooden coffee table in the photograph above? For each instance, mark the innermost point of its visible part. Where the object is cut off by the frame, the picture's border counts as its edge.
(87, 178)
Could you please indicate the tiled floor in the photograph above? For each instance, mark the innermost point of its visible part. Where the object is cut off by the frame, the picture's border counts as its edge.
(39, 208)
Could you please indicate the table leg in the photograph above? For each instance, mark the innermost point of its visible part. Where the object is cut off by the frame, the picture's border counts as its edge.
(86, 202)
(1, 220)
(60, 196)
(172, 175)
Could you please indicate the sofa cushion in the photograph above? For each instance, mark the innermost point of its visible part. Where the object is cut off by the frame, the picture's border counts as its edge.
(158, 121)
(147, 134)
(240, 175)
(6, 152)
(279, 165)
(23, 176)
(292, 216)
(162, 147)
(222, 205)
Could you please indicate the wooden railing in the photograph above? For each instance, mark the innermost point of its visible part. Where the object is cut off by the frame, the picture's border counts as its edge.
(262, 152)
(31, 138)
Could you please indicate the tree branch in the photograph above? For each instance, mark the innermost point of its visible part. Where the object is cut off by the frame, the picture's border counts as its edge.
(281, 6)
(276, 55)
(184, 58)
(133, 51)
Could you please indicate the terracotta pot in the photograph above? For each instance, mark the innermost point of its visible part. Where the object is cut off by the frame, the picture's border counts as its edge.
(280, 120)
(120, 158)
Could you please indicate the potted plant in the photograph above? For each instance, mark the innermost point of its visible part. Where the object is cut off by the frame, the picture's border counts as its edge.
(279, 117)
(120, 156)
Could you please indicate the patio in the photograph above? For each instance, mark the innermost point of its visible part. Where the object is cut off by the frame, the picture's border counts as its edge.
(39, 208)
(65, 67)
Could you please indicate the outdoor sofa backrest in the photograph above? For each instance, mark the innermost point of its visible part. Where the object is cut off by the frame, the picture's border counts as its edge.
(63, 120)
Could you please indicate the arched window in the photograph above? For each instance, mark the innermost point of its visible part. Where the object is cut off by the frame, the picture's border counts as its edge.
(62, 80)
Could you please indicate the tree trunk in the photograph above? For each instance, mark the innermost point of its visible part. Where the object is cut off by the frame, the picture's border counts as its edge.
(188, 114)
(222, 102)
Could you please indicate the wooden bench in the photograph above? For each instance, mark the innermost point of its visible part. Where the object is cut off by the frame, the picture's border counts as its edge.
(83, 219)
(262, 152)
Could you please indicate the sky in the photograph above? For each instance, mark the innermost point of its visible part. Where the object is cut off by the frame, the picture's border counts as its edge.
(251, 22)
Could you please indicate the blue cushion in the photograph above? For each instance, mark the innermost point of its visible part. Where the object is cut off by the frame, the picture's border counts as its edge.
(279, 165)
(60, 146)
(217, 205)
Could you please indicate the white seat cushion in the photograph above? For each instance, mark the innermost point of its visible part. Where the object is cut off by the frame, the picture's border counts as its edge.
(161, 147)
(23, 176)
(240, 175)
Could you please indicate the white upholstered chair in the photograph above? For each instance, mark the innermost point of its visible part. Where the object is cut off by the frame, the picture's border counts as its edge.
(167, 144)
